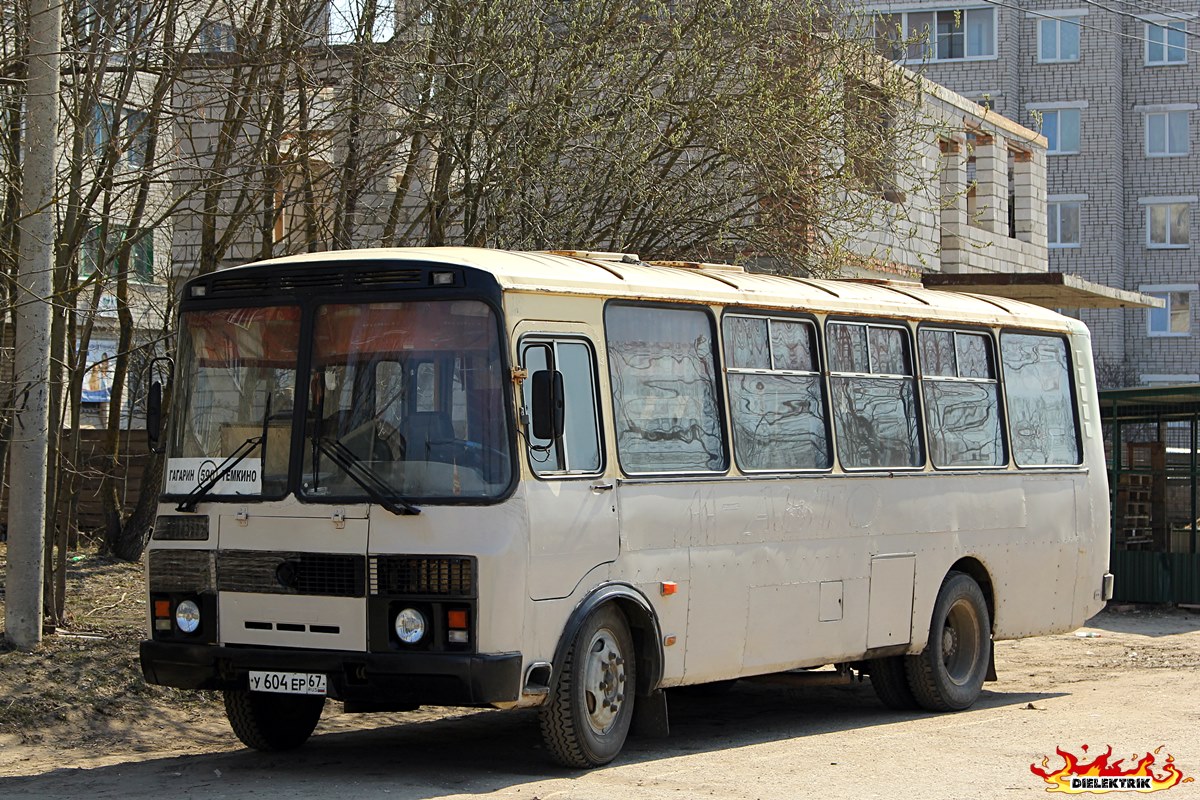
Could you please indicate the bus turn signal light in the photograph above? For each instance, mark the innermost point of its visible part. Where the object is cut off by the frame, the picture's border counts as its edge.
(162, 608)
(456, 619)
(668, 587)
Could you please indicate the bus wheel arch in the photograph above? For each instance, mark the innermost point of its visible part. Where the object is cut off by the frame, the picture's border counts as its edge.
(643, 627)
(973, 567)
(589, 711)
(948, 674)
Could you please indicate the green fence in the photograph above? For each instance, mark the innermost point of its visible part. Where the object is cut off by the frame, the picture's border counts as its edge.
(1152, 442)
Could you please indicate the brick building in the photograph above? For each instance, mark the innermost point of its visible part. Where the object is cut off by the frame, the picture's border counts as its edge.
(1114, 88)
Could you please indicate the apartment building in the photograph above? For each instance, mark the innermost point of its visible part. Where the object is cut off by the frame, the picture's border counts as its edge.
(1114, 89)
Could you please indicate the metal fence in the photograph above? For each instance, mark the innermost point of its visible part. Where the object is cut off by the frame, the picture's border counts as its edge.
(1151, 444)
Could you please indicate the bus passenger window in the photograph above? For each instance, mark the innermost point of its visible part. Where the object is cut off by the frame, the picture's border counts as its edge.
(962, 399)
(665, 402)
(1041, 406)
(873, 396)
(777, 407)
(578, 451)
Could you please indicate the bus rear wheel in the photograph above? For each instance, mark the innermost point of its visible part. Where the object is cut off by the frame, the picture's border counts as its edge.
(948, 675)
(271, 722)
(889, 679)
(585, 720)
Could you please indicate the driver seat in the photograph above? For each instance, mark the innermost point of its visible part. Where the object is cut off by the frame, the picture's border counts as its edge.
(429, 436)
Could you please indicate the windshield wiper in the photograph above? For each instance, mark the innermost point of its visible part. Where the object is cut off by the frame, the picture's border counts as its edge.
(371, 483)
(244, 449)
(200, 492)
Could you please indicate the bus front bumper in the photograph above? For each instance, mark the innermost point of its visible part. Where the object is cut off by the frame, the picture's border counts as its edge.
(465, 679)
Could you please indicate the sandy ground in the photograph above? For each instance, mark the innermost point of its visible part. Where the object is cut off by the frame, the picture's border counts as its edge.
(1131, 683)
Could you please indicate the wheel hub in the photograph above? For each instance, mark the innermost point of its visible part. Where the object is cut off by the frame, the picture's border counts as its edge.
(604, 680)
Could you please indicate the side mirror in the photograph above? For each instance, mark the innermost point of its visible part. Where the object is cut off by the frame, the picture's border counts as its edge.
(154, 415)
(549, 408)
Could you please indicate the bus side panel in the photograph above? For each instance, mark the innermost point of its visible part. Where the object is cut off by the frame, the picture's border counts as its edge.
(1095, 516)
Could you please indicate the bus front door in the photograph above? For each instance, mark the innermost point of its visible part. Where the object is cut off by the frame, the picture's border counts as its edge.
(571, 498)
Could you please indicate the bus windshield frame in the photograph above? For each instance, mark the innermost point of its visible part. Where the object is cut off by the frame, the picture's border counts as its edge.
(337, 389)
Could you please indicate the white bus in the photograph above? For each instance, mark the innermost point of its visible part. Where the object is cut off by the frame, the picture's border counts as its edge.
(467, 477)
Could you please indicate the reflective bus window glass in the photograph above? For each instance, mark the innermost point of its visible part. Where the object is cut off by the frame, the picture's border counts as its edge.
(578, 451)
(847, 348)
(962, 399)
(665, 402)
(1041, 408)
(582, 433)
(937, 353)
(778, 415)
(746, 344)
(237, 371)
(874, 414)
(406, 400)
(793, 346)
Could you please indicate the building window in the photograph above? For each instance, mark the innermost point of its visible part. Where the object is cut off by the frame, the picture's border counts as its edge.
(215, 37)
(1062, 224)
(1173, 319)
(1060, 126)
(1167, 225)
(1165, 43)
(1058, 40)
(100, 130)
(95, 252)
(1167, 133)
(950, 35)
(137, 137)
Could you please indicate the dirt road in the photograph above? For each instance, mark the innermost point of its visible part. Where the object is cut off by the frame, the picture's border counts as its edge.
(1133, 683)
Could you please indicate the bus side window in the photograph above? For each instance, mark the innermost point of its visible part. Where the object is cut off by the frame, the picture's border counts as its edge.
(962, 398)
(777, 407)
(873, 396)
(666, 406)
(578, 450)
(1041, 404)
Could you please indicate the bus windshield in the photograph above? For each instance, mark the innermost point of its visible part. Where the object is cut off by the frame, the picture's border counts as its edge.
(406, 398)
(237, 374)
(405, 402)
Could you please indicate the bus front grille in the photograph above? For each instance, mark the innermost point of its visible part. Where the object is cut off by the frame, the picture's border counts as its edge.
(328, 574)
(181, 571)
(443, 576)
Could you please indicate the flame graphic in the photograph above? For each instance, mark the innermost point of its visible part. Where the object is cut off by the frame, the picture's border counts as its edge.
(1060, 780)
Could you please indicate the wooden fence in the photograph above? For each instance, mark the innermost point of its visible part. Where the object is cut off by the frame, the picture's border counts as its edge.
(89, 471)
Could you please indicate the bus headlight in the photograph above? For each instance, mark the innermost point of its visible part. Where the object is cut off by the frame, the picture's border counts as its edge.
(187, 616)
(410, 625)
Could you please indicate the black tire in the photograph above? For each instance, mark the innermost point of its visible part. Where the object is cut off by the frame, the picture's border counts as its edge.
(889, 679)
(272, 721)
(949, 674)
(585, 720)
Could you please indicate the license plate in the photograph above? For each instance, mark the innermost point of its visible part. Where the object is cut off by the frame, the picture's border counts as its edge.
(287, 682)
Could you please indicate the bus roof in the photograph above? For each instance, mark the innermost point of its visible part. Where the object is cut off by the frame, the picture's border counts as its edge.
(622, 276)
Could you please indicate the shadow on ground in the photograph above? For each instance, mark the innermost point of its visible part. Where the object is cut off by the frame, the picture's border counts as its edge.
(478, 753)
(1149, 621)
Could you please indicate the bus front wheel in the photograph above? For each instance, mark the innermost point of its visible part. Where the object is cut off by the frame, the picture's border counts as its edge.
(586, 718)
(272, 721)
(948, 675)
